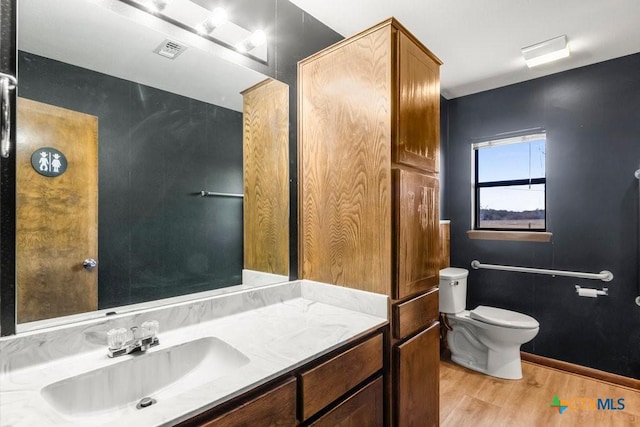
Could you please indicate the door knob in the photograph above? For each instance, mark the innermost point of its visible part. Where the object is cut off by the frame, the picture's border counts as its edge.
(89, 264)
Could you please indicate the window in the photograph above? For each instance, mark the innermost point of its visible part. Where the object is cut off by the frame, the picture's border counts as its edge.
(510, 183)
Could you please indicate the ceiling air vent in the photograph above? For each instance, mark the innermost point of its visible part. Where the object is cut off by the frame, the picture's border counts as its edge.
(170, 49)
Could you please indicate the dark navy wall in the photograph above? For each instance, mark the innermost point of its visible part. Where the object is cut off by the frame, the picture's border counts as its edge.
(592, 118)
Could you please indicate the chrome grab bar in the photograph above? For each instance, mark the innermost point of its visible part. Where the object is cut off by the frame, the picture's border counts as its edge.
(605, 276)
(7, 82)
(217, 194)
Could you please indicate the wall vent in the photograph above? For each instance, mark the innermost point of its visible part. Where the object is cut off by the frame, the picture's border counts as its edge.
(170, 49)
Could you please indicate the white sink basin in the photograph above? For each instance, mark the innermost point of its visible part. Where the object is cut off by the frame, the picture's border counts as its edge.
(150, 374)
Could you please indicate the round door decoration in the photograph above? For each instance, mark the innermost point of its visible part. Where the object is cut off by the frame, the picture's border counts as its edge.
(49, 162)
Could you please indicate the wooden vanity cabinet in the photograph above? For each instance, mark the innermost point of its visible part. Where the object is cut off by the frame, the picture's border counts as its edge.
(344, 387)
(368, 123)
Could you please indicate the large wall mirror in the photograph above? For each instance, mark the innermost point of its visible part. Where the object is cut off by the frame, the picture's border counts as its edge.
(150, 165)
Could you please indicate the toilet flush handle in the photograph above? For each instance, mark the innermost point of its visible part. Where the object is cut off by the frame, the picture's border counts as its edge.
(454, 283)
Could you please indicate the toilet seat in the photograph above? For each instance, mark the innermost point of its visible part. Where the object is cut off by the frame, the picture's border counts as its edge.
(504, 318)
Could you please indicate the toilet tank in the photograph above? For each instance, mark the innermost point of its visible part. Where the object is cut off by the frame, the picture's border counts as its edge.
(453, 290)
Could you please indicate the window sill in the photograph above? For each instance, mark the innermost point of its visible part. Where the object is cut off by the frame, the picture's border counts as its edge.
(520, 236)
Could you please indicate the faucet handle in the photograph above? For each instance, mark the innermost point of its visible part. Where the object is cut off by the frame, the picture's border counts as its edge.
(149, 328)
(117, 338)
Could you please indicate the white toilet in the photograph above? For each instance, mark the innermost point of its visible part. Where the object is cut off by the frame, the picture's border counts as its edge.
(485, 339)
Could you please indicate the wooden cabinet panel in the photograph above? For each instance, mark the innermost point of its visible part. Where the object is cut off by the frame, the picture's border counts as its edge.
(416, 198)
(275, 408)
(416, 379)
(415, 314)
(327, 382)
(418, 107)
(445, 245)
(265, 134)
(344, 164)
(362, 409)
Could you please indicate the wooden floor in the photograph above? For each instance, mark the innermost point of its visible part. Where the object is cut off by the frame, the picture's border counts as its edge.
(468, 398)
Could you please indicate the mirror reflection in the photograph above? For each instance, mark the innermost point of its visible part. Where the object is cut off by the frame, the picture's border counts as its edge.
(141, 177)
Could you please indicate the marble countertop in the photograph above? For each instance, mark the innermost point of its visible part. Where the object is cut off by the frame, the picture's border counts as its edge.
(278, 327)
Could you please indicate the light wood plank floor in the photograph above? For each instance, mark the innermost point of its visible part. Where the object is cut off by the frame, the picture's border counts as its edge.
(468, 398)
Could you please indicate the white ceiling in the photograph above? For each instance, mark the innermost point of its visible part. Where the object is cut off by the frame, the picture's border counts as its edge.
(113, 38)
(479, 41)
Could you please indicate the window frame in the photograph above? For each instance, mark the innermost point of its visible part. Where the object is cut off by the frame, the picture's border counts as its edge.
(506, 139)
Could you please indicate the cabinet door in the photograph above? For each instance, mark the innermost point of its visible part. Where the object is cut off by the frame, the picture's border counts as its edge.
(416, 364)
(418, 139)
(275, 408)
(416, 199)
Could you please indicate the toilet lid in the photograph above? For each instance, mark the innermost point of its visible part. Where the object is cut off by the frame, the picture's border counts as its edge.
(506, 318)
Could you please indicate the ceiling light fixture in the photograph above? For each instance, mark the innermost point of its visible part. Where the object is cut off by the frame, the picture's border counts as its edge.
(257, 38)
(156, 6)
(217, 18)
(547, 51)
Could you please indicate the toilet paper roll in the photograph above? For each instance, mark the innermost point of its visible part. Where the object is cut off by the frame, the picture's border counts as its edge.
(585, 292)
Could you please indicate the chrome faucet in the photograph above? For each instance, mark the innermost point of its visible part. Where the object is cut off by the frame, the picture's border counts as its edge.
(122, 341)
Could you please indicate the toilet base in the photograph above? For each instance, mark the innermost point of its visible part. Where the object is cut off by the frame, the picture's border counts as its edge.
(469, 351)
(506, 369)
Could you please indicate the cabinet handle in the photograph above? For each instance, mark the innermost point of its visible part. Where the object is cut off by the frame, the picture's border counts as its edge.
(7, 83)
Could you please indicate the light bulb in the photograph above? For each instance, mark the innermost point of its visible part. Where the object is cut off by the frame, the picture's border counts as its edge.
(257, 38)
(217, 18)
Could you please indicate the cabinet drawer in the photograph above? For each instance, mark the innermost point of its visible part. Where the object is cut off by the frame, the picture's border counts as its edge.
(364, 408)
(275, 408)
(328, 381)
(415, 314)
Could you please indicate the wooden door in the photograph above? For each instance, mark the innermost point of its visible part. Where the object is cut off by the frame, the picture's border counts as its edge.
(418, 139)
(416, 199)
(416, 364)
(57, 216)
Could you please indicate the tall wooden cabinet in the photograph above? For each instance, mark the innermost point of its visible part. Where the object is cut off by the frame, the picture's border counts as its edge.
(369, 117)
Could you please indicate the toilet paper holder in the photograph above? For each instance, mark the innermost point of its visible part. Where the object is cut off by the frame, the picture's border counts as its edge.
(591, 293)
